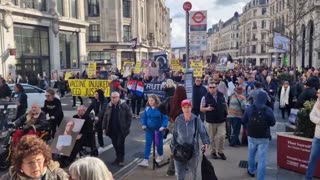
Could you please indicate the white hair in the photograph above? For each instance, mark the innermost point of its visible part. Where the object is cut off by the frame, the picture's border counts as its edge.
(90, 168)
(115, 93)
(170, 83)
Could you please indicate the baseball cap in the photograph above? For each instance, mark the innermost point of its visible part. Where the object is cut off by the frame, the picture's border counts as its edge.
(186, 102)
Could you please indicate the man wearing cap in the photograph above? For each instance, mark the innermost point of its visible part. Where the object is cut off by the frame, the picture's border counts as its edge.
(187, 128)
(213, 104)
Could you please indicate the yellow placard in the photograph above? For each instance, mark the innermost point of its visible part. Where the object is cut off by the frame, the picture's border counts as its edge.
(137, 68)
(197, 67)
(92, 70)
(87, 87)
(175, 65)
(67, 76)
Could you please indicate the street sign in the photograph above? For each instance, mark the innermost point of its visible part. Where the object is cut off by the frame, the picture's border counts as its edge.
(198, 17)
(187, 6)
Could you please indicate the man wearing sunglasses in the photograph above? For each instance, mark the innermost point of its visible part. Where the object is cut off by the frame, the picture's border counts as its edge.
(213, 104)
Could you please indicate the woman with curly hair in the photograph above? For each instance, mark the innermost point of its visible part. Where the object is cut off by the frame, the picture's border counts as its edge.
(32, 160)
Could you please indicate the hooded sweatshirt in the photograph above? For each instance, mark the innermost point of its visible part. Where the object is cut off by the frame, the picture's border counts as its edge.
(315, 118)
(260, 103)
(153, 119)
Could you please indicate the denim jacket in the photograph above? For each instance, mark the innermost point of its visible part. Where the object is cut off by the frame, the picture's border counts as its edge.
(183, 132)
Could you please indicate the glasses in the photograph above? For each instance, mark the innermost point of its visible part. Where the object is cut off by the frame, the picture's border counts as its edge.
(212, 87)
(36, 162)
(114, 97)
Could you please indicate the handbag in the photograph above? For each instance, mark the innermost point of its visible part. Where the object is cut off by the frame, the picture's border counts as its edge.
(184, 152)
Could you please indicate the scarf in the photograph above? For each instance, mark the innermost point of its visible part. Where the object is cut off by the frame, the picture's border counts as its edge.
(284, 98)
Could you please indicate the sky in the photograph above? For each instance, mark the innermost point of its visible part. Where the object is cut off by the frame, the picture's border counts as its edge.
(216, 10)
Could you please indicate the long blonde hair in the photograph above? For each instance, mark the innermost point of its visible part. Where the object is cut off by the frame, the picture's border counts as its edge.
(170, 83)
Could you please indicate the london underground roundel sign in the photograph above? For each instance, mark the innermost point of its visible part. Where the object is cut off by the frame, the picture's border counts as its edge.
(187, 6)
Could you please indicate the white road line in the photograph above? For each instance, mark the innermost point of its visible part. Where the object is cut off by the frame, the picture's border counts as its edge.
(125, 167)
(107, 148)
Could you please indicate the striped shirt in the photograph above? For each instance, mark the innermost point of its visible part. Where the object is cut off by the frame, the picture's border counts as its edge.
(235, 108)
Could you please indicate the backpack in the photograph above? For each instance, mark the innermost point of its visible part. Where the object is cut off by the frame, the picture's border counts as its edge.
(258, 126)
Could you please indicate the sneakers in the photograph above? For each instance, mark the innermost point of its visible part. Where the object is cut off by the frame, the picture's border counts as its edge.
(144, 163)
(214, 156)
(222, 156)
(159, 159)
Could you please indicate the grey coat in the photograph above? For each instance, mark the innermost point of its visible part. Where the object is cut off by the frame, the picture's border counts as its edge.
(125, 117)
(183, 132)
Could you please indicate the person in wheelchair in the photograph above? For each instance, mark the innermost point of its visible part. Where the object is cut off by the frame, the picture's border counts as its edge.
(33, 122)
(87, 138)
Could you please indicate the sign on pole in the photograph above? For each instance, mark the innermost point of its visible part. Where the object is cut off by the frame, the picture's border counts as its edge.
(198, 33)
(187, 6)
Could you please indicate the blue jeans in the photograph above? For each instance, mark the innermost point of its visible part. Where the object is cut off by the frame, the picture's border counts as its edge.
(236, 126)
(149, 140)
(314, 158)
(261, 145)
(182, 168)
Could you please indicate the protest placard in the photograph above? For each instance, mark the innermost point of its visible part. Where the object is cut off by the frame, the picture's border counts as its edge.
(92, 70)
(88, 87)
(197, 67)
(66, 136)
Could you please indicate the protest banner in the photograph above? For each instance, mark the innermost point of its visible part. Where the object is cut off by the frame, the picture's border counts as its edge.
(67, 76)
(154, 88)
(88, 87)
(67, 135)
(137, 68)
(92, 70)
(197, 67)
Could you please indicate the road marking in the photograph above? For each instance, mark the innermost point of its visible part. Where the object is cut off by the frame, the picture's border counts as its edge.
(125, 167)
(107, 148)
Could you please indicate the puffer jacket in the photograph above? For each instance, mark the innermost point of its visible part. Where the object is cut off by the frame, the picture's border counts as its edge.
(315, 118)
(54, 172)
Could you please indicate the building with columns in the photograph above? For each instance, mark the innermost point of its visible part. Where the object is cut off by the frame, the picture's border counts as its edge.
(39, 37)
(254, 33)
(307, 26)
(223, 38)
(113, 25)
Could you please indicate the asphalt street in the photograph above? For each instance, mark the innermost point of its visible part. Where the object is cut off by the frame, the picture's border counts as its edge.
(134, 146)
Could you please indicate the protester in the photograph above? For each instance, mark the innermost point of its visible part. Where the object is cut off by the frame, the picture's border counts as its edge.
(34, 119)
(52, 107)
(213, 104)
(173, 109)
(286, 99)
(309, 93)
(315, 148)
(116, 124)
(153, 120)
(136, 100)
(22, 100)
(249, 85)
(198, 92)
(31, 159)
(253, 93)
(169, 88)
(89, 168)
(258, 119)
(187, 129)
(237, 105)
(5, 91)
(86, 134)
(98, 105)
(77, 76)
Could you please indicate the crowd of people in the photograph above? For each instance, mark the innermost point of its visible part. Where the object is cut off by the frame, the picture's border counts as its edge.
(235, 105)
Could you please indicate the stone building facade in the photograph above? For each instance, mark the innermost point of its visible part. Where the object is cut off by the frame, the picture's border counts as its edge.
(113, 24)
(39, 37)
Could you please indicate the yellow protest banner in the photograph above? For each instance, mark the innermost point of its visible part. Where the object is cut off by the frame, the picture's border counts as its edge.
(92, 70)
(87, 87)
(67, 76)
(175, 64)
(197, 67)
(137, 68)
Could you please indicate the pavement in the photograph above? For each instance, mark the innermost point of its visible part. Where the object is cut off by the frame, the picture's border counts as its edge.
(228, 169)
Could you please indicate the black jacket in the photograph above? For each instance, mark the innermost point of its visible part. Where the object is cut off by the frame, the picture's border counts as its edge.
(169, 91)
(98, 109)
(198, 93)
(306, 95)
(53, 108)
(22, 108)
(5, 91)
(219, 114)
